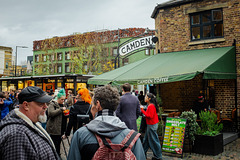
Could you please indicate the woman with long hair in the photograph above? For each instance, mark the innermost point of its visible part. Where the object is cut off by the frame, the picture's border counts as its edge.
(150, 139)
(80, 107)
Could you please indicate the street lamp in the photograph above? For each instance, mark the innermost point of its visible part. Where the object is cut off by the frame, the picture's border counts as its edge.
(16, 58)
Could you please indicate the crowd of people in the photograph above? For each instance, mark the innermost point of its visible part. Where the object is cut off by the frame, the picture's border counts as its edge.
(33, 123)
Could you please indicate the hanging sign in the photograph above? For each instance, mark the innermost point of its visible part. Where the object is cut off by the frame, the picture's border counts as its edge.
(135, 45)
(174, 135)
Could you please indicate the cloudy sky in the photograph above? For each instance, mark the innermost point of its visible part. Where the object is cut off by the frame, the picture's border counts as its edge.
(24, 21)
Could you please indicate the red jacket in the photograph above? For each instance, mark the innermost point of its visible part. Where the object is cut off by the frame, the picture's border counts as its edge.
(151, 115)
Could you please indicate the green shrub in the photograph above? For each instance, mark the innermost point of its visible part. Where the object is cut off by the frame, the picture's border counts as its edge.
(192, 124)
(161, 125)
(209, 125)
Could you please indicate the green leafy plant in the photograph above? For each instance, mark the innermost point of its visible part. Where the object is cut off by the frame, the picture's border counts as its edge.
(159, 99)
(209, 125)
(161, 124)
(192, 124)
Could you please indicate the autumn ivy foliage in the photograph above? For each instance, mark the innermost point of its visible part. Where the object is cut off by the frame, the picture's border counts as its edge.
(88, 50)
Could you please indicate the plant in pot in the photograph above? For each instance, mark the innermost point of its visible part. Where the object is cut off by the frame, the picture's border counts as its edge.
(161, 126)
(191, 129)
(209, 140)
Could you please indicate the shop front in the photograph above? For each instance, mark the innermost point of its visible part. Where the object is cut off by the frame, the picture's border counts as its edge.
(47, 82)
(179, 77)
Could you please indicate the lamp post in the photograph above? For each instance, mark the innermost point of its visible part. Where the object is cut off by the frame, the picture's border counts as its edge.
(16, 58)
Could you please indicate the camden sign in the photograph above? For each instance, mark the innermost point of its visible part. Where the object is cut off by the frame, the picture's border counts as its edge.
(135, 45)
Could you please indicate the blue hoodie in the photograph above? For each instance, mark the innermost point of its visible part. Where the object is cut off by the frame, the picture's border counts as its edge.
(4, 109)
(108, 126)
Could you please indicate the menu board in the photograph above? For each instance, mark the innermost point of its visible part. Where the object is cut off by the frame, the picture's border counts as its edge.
(174, 135)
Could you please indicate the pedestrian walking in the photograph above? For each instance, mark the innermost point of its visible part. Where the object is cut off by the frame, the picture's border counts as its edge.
(80, 107)
(128, 109)
(70, 100)
(5, 104)
(21, 136)
(84, 144)
(56, 124)
(150, 139)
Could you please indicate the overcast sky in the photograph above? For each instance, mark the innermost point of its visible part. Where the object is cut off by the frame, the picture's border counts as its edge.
(24, 21)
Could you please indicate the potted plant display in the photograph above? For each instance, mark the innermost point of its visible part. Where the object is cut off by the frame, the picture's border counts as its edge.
(161, 126)
(191, 129)
(208, 139)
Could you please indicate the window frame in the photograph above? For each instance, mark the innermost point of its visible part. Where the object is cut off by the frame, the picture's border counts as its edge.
(44, 58)
(202, 25)
(37, 58)
(67, 55)
(58, 57)
(67, 65)
(59, 65)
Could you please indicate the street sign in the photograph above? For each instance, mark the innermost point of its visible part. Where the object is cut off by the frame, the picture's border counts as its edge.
(135, 45)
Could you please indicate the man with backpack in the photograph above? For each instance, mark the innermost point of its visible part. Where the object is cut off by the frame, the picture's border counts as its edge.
(106, 136)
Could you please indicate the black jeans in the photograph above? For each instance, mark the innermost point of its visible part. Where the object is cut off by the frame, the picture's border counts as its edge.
(57, 141)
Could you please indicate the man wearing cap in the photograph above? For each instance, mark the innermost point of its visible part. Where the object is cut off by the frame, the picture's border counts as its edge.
(21, 136)
(200, 105)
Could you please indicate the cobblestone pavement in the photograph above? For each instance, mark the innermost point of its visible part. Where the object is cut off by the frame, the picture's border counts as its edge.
(231, 152)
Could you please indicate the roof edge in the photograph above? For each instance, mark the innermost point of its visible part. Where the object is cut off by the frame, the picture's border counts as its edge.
(170, 3)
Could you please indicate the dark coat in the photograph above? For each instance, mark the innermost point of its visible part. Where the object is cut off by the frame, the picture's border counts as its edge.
(55, 119)
(19, 140)
(198, 107)
(128, 110)
(80, 107)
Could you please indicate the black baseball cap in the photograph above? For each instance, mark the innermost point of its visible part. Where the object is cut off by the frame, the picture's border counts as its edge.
(35, 94)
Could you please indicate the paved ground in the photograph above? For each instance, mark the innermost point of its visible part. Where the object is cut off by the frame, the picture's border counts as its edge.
(231, 152)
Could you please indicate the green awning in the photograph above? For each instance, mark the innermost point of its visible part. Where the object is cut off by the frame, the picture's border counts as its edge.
(214, 63)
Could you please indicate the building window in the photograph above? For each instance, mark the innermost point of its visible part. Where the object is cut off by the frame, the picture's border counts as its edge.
(52, 57)
(67, 55)
(51, 68)
(6, 65)
(59, 56)
(104, 52)
(147, 53)
(59, 68)
(67, 68)
(206, 25)
(114, 52)
(44, 68)
(36, 58)
(44, 58)
(85, 66)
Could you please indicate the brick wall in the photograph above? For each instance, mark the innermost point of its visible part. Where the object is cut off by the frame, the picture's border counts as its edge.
(173, 24)
(181, 95)
(225, 96)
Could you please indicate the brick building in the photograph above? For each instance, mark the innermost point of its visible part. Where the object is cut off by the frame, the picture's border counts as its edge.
(87, 53)
(185, 25)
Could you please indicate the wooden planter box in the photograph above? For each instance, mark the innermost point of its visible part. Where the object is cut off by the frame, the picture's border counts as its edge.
(188, 147)
(209, 145)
